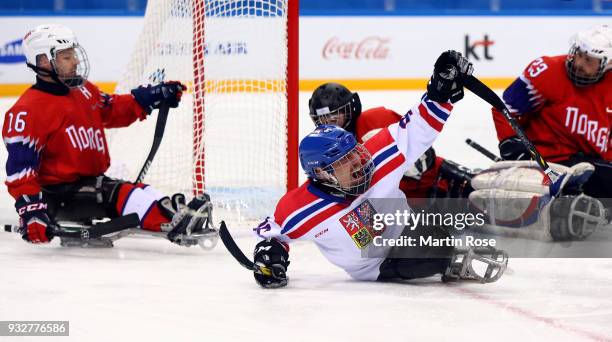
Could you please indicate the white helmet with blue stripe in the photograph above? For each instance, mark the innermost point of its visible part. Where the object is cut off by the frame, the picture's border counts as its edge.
(49, 40)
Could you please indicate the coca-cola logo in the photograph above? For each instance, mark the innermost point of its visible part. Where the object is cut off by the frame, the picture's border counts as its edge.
(372, 47)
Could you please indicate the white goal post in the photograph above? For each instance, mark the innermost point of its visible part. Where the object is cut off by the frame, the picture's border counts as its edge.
(234, 134)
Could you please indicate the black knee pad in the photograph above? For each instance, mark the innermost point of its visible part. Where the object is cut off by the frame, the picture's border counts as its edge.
(412, 262)
(84, 200)
(412, 268)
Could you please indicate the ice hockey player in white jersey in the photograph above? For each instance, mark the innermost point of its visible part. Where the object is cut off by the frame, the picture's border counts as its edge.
(349, 183)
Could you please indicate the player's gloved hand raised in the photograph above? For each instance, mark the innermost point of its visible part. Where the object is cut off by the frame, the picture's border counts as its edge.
(513, 149)
(151, 96)
(446, 83)
(273, 260)
(35, 225)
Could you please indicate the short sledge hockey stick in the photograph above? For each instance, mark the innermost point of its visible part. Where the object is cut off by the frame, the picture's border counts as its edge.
(95, 231)
(235, 251)
(160, 127)
(482, 150)
(485, 93)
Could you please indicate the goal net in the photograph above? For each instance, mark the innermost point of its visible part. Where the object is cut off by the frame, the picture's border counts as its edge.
(229, 136)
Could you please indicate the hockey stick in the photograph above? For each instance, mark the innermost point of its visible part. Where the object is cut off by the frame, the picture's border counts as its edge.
(235, 251)
(160, 127)
(233, 248)
(95, 231)
(485, 93)
(482, 150)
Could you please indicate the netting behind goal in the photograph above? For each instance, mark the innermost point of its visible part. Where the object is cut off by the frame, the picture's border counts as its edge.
(229, 135)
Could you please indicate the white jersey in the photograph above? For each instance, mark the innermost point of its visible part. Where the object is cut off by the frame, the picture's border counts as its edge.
(343, 230)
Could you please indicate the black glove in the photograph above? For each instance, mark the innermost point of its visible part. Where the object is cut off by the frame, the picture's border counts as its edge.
(446, 83)
(271, 255)
(35, 225)
(513, 149)
(425, 162)
(151, 96)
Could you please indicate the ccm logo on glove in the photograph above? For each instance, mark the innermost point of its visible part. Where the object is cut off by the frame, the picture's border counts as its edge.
(32, 207)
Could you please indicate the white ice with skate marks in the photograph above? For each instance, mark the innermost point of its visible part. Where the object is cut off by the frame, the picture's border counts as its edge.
(149, 290)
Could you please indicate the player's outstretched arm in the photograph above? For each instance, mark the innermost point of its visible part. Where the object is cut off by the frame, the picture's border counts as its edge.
(273, 256)
(123, 110)
(418, 129)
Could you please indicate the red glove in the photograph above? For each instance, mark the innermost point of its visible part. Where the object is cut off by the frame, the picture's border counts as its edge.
(35, 225)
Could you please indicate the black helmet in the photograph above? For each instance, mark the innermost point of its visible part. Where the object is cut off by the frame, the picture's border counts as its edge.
(329, 101)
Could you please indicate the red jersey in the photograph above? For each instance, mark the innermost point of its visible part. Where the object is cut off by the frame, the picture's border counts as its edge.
(560, 118)
(373, 120)
(57, 136)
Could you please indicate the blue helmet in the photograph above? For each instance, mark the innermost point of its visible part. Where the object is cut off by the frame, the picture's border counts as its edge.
(328, 148)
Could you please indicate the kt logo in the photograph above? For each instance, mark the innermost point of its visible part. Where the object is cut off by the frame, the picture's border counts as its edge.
(470, 48)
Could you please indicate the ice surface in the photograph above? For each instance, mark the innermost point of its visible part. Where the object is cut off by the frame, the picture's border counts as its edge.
(149, 290)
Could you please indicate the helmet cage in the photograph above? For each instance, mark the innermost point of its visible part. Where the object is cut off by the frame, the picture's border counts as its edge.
(82, 69)
(326, 117)
(357, 162)
(345, 113)
(581, 80)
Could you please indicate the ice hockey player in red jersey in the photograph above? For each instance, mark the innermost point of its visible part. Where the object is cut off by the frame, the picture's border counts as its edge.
(564, 105)
(430, 176)
(57, 150)
(349, 184)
